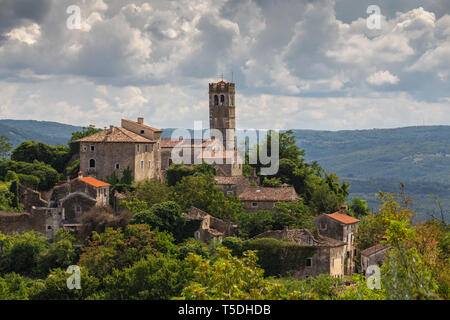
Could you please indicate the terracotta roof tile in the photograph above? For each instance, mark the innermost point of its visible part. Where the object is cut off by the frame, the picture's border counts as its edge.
(269, 194)
(171, 143)
(93, 182)
(342, 217)
(229, 180)
(115, 134)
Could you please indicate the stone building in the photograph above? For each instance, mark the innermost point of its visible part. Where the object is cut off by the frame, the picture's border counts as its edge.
(78, 196)
(134, 145)
(259, 198)
(327, 258)
(342, 227)
(210, 226)
(374, 255)
(232, 186)
(140, 148)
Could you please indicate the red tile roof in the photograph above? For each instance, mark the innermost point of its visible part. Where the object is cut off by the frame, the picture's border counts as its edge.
(94, 182)
(374, 249)
(269, 194)
(342, 217)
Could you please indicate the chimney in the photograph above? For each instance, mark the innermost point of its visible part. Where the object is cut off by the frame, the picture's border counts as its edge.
(140, 120)
(80, 174)
(343, 208)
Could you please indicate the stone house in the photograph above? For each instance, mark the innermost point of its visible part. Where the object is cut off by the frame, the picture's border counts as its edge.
(210, 226)
(232, 186)
(259, 198)
(327, 258)
(342, 227)
(79, 195)
(374, 255)
(134, 145)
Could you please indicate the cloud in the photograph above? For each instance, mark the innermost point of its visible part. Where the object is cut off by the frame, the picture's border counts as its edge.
(296, 63)
(382, 77)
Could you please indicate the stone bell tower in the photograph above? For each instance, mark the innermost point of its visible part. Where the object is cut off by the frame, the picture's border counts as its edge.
(222, 111)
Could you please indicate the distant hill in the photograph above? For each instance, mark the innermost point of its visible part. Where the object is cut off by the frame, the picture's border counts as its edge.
(371, 160)
(52, 133)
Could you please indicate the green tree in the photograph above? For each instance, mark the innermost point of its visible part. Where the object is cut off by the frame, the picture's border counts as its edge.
(229, 278)
(14, 189)
(165, 216)
(5, 147)
(293, 214)
(127, 177)
(151, 191)
(358, 207)
(29, 151)
(176, 172)
(254, 223)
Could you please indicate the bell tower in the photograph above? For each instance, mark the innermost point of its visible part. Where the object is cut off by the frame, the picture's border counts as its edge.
(222, 111)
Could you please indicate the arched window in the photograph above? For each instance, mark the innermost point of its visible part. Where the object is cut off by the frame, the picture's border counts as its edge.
(222, 99)
(216, 100)
(92, 163)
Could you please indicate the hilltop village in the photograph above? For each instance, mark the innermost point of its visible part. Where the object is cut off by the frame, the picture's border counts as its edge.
(137, 149)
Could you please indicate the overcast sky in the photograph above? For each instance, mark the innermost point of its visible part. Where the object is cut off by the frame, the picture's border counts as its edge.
(297, 64)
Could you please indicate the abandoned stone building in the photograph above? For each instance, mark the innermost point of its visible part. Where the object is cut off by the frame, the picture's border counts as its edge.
(326, 258)
(342, 227)
(374, 255)
(65, 204)
(259, 198)
(210, 226)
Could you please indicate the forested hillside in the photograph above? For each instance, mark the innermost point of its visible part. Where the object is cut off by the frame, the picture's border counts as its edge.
(48, 132)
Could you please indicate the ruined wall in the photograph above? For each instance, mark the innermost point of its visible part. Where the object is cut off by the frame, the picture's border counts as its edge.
(76, 204)
(29, 198)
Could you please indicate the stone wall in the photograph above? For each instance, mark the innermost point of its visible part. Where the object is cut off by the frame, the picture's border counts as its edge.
(261, 205)
(29, 198)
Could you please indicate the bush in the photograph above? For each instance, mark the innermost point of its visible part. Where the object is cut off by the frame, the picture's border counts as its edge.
(29, 181)
(48, 176)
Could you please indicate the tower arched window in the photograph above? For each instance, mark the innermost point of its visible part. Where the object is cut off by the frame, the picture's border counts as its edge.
(92, 163)
(222, 99)
(216, 100)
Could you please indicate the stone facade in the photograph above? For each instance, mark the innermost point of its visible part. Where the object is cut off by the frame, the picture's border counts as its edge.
(259, 198)
(232, 186)
(374, 255)
(327, 258)
(211, 227)
(342, 227)
(134, 145)
(45, 221)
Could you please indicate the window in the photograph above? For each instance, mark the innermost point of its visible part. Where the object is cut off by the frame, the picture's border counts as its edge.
(323, 226)
(92, 163)
(92, 148)
(142, 131)
(170, 162)
(222, 99)
(309, 262)
(146, 148)
(104, 192)
(158, 145)
(142, 164)
(84, 148)
(117, 166)
(216, 100)
(49, 228)
(149, 164)
(254, 204)
(78, 209)
(138, 148)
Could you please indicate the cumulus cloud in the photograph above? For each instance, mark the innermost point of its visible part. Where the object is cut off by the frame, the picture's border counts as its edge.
(296, 63)
(382, 77)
